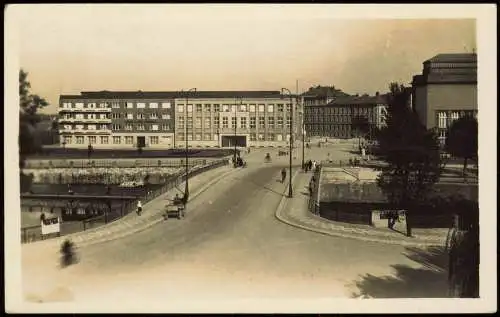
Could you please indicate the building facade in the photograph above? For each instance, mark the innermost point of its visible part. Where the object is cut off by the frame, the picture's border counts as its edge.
(445, 91)
(334, 119)
(117, 119)
(229, 118)
(166, 119)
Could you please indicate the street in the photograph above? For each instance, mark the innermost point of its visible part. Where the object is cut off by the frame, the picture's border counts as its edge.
(230, 245)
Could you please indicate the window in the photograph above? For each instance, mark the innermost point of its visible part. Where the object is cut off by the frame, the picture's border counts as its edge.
(233, 122)
(79, 105)
(102, 116)
(68, 139)
(153, 115)
(91, 116)
(190, 123)
(288, 107)
(225, 108)
(243, 108)
(262, 122)
(206, 137)
(79, 116)
(103, 127)
(207, 122)
(280, 122)
(288, 121)
(454, 116)
(115, 105)
(180, 122)
(91, 105)
(216, 122)
(140, 127)
(165, 127)
(261, 108)
(279, 137)
(253, 137)
(270, 122)
(442, 120)
(207, 107)
(198, 122)
(261, 137)
(104, 140)
(190, 137)
(141, 115)
(117, 139)
(79, 139)
(154, 127)
(91, 127)
(198, 137)
(79, 126)
(180, 136)
(224, 122)
(116, 115)
(252, 108)
(129, 127)
(270, 137)
(130, 105)
(165, 116)
(130, 116)
(198, 107)
(216, 108)
(252, 122)
(270, 108)
(129, 139)
(92, 140)
(102, 105)
(154, 139)
(166, 105)
(153, 105)
(180, 108)
(141, 105)
(67, 105)
(190, 108)
(234, 108)
(243, 122)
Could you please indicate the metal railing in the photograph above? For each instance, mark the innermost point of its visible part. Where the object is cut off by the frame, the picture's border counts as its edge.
(314, 199)
(131, 163)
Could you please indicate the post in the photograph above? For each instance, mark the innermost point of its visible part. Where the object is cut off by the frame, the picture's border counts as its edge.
(290, 140)
(186, 189)
(235, 123)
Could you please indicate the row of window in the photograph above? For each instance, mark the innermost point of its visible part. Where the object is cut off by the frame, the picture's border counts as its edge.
(339, 110)
(86, 127)
(105, 139)
(446, 118)
(330, 127)
(83, 116)
(243, 122)
(116, 105)
(234, 108)
(140, 115)
(215, 137)
(337, 119)
(128, 127)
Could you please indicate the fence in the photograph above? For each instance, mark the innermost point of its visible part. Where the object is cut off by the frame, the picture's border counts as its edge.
(111, 163)
(33, 233)
(314, 202)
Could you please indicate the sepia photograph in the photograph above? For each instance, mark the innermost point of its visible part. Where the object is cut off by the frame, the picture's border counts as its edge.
(262, 158)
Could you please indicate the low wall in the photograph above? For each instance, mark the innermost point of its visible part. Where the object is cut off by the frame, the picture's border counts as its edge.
(115, 163)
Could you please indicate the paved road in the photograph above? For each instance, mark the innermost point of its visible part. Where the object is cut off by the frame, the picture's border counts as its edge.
(229, 246)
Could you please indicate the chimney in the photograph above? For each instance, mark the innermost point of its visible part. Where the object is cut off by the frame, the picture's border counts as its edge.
(377, 93)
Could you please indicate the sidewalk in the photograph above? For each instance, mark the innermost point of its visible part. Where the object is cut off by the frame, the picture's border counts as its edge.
(295, 212)
(152, 213)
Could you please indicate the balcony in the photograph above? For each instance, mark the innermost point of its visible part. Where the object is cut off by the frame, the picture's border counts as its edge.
(85, 120)
(83, 131)
(91, 110)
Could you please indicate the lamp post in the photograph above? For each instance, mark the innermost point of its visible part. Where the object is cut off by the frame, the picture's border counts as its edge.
(290, 190)
(186, 189)
(235, 126)
(303, 139)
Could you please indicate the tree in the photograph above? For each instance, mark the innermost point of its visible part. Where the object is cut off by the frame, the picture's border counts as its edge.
(29, 104)
(462, 139)
(411, 153)
(361, 125)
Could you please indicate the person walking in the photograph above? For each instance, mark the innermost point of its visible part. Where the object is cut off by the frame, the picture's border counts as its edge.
(283, 175)
(314, 165)
(139, 207)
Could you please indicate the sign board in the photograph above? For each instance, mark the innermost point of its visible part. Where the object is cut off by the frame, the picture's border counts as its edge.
(380, 219)
(52, 225)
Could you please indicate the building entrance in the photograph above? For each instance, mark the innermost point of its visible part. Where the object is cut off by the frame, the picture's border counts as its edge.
(230, 140)
(141, 141)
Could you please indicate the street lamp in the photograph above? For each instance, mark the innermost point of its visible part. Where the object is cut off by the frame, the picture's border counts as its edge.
(235, 125)
(186, 189)
(290, 190)
(303, 138)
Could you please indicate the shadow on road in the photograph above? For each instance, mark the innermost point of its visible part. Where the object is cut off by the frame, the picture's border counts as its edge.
(265, 187)
(429, 281)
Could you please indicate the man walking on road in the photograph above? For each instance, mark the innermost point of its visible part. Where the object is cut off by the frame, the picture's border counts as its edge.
(283, 175)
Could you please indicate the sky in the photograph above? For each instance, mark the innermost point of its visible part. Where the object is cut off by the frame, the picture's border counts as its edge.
(71, 48)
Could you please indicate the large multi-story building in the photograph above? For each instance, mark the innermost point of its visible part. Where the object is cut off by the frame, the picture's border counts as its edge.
(165, 119)
(334, 119)
(445, 91)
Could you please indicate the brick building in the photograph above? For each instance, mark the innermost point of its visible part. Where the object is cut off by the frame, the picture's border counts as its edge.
(445, 91)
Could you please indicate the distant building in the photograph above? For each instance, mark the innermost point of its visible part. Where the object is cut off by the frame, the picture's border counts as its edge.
(445, 91)
(165, 119)
(334, 119)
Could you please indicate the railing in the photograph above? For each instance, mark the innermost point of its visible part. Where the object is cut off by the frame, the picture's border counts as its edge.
(111, 163)
(314, 199)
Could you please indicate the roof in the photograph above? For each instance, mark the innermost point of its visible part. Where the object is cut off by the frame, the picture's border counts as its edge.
(359, 100)
(176, 94)
(436, 78)
(454, 58)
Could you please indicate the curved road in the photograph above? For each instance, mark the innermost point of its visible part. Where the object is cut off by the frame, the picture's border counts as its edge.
(230, 245)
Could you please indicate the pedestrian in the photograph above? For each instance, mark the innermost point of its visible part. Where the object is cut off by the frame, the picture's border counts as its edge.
(314, 165)
(283, 175)
(139, 207)
(309, 165)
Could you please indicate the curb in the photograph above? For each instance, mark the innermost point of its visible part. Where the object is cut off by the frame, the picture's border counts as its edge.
(150, 224)
(343, 234)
